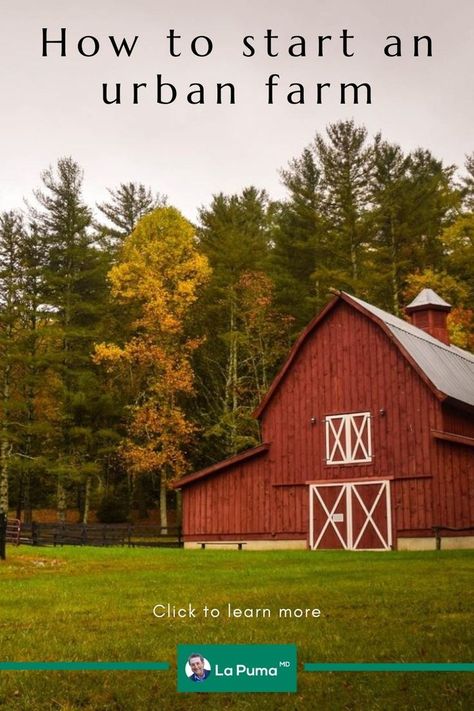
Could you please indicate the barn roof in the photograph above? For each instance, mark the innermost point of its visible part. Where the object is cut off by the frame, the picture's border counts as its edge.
(447, 369)
(428, 297)
(224, 464)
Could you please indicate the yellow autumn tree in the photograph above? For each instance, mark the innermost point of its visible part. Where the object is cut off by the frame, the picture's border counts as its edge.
(158, 276)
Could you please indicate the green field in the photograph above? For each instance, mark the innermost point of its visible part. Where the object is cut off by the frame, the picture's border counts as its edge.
(89, 604)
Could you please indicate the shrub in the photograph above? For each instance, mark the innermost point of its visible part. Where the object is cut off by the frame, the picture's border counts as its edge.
(112, 509)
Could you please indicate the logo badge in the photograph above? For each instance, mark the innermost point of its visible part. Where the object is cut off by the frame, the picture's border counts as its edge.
(237, 667)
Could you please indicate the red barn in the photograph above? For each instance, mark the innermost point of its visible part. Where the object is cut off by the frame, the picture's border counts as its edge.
(368, 436)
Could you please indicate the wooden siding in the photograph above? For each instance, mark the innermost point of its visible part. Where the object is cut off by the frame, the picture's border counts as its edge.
(350, 365)
(347, 365)
(228, 504)
(455, 484)
(457, 421)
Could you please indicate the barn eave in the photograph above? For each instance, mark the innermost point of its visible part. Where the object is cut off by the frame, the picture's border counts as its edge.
(219, 466)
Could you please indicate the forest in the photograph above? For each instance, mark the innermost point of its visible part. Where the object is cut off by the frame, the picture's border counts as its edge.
(134, 345)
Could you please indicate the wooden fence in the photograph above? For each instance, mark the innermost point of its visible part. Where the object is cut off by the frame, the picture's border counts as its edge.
(12, 531)
(106, 534)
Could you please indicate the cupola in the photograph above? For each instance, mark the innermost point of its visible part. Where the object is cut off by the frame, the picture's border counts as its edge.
(429, 312)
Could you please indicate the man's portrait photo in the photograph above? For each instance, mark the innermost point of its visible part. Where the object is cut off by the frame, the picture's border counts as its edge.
(197, 667)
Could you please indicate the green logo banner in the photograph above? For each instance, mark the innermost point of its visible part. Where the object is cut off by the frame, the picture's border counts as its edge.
(236, 667)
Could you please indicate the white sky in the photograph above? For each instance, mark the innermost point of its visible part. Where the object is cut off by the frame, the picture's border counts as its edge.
(51, 107)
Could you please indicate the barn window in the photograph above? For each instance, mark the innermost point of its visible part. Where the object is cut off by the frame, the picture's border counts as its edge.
(348, 438)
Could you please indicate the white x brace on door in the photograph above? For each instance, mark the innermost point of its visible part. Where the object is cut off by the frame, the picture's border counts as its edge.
(348, 438)
(350, 515)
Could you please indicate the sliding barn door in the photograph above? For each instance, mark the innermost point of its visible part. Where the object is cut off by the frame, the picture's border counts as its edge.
(350, 515)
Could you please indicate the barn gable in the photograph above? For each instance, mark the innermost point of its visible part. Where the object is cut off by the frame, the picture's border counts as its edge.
(361, 425)
(447, 369)
(348, 387)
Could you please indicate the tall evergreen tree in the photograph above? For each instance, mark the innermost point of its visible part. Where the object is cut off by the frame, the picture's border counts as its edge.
(413, 197)
(347, 162)
(235, 236)
(390, 214)
(128, 203)
(434, 203)
(74, 287)
(22, 360)
(300, 262)
(31, 462)
(11, 230)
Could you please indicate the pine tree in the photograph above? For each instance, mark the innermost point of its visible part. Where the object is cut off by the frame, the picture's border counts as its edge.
(11, 229)
(74, 289)
(391, 197)
(128, 203)
(413, 198)
(234, 235)
(347, 163)
(434, 203)
(300, 260)
(31, 461)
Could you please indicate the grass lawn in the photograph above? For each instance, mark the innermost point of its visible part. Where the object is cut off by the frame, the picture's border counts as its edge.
(92, 604)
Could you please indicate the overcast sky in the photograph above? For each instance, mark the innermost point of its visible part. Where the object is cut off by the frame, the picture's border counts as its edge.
(52, 106)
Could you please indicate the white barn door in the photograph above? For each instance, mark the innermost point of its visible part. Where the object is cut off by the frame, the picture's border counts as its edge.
(350, 515)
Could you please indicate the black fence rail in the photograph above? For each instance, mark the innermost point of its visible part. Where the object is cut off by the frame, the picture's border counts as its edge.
(101, 534)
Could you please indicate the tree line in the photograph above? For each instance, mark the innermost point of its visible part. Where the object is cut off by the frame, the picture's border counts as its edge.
(134, 345)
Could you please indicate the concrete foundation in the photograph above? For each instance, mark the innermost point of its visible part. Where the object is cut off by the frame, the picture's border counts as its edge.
(403, 544)
(429, 544)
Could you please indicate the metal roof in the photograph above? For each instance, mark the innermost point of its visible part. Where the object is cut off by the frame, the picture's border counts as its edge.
(428, 297)
(449, 368)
